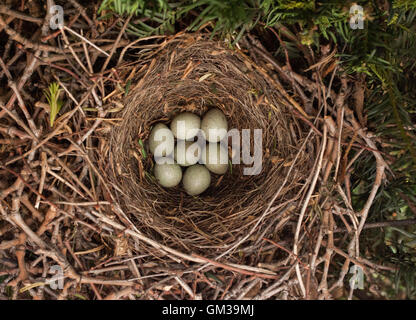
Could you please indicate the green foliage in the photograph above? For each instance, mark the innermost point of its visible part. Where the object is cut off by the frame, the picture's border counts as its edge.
(135, 6)
(384, 52)
(52, 95)
(404, 4)
(156, 16)
(233, 16)
(388, 60)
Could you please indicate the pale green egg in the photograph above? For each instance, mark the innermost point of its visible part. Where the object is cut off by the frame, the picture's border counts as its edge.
(168, 175)
(215, 158)
(196, 179)
(161, 141)
(214, 125)
(185, 126)
(187, 153)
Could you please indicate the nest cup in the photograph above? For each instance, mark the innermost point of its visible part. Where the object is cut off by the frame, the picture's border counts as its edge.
(195, 74)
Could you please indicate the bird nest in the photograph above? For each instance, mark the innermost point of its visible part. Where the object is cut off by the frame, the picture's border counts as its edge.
(196, 74)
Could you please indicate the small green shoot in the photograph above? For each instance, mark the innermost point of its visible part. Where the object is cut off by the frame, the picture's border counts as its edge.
(80, 296)
(128, 84)
(52, 95)
(142, 150)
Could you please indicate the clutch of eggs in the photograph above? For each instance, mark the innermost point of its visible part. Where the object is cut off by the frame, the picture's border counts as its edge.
(212, 157)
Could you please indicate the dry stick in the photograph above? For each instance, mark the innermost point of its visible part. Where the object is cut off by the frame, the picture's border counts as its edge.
(68, 184)
(86, 40)
(26, 184)
(102, 113)
(56, 33)
(286, 250)
(59, 57)
(84, 14)
(16, 118)
(305, 205)
(394, 223)
(22, 106)
(328, 223)
(26, 42)
(35, 191)
(42, 177)
(20, 255)
(69, 171)
(123, 52)
(15, 218)
(143, 238)
(259, 49)
(20, 252)
(270, 291)
(19, 15)
(239, 270)
(81, 265)
(282, 44)
(87, 57)
(85, 155)
(50, 215)
(360, 262)
(380, 167)
(25, 200)
(339, 105)
(6, 51)
(8, 20)
(84, 204)
(288, 98)
(120, 294)
(42, 47)
(115, 46)
(73, 53)
(316, 250)
(253, 269)
(20, 122)
(14, 132)
(248, 288)
(26, 75)
(331, 150)
(344, 221)
(7, 244)
(229, 294)
(14, 187)
(185, 287)
(155, 244)
(46, 22)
